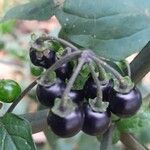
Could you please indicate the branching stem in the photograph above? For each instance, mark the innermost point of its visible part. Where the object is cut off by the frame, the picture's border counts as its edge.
(97, 82)
(72, 80)
(57, 64)
(64, 42)
(112, 70)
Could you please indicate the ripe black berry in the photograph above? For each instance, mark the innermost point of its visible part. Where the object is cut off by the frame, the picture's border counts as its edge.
(95, 123)
(46, 95)
(90, 89)
(67, 126)
(43, 59)
(125, 104)
(65, 71)
(77, 96)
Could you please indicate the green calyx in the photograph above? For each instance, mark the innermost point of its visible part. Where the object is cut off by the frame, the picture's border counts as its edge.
(63, 110)
(124, 86)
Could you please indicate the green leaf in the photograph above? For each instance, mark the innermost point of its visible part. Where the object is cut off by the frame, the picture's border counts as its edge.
(120, 66)
(39, 10)
(136, 123)
(116, 136)
(7, 27)
(111, 29)
(15, 133)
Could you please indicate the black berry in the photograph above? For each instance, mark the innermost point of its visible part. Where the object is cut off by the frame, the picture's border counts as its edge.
(77, 96)
(47, 94)
(95, 123)
(90, 89)
(125, 104)
(65, 71)
(67, 126)
(43, 59)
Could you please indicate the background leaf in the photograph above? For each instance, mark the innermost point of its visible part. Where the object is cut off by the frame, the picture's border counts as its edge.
(15, 133)
(39, 10)
(112, 29)
(136, 123)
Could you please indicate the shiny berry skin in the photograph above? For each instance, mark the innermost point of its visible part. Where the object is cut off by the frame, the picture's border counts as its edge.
(67, 126)
(44, 60)
(65, 71)
(125, 104)
(95, 123)
(9, 90)
(77, 96)
(90, 89)
(46, 95)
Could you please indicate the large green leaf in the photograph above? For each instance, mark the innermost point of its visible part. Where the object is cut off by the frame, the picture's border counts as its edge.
(15, 133)
(113, 29)
(39, 10)
(136, 123)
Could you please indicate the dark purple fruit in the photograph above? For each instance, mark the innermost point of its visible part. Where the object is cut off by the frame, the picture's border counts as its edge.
(65, 71)
(41, 59)
(46, 95)
(90, 89)
(95, 123)
(125, 104)
(67, 126)
(77, 96)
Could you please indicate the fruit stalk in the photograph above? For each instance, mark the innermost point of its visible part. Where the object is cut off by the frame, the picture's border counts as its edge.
(71, 81)
(102, 73)
(58, 64)
(128, 69)
(97, 82)
(112, 70)
(64, 42)
(106, 142)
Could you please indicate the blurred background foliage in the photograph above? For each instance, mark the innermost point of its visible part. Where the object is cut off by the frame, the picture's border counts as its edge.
(15, 64)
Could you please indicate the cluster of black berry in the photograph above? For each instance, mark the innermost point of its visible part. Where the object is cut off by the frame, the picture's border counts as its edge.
(88, 111)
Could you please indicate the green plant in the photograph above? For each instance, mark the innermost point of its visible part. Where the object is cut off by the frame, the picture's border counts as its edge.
(98, 38)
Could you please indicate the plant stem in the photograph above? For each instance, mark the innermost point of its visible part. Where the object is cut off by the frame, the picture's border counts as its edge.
(57, 64)
(97, 82)
(128, 69)
(140, 65)
(112, 70)
(64, 42)
(106, 142)
(102, 73)
(131, 143)
(72, 80)
(11, 108)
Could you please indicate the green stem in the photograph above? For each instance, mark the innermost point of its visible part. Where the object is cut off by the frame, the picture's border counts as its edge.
(97, 82)
(128, 69)
(71, 81)
(57, 64)
(64, 42)
(102, 73)
(106, 142)
(112, 70)
(140, 65)
(131, 143)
